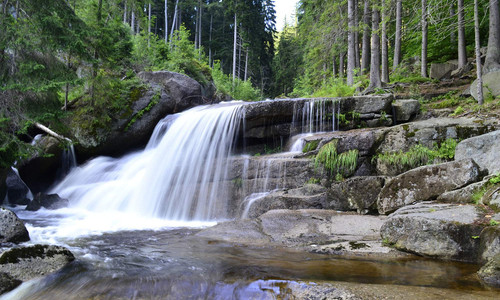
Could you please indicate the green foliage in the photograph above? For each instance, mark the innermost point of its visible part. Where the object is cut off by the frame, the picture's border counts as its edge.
(419, 155)
(310, 146)
(313, 181)
(449, 99)
(239, 90)
(343, 164)
(493, 223)
(495, 179)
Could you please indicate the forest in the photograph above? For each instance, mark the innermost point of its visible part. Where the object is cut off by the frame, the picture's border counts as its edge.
(79, 58)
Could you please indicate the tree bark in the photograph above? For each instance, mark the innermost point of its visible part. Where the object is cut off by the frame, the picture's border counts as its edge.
(174, 20)
(246, 66)
(423, 68)
(132, 20)
(492, 62)
(375, 81)
(125, 12)
(385, 51)
(478, 54)
(234, 46)
(462, 51)
(453, 38)
(397, 38)
(350, 43)
(357, 63)
(166, 21)
(365, 52)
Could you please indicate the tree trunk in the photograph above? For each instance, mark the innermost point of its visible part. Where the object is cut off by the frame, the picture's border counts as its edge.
(197, 19)
(334, 74)
(341, 66)
(174, 20)
(375, 81)
(132, 20)
(125, 12)
(492, 62)
(478, 54)
(246, 66)
(210, 42)
(357, 63)
(350, 43)
(385, 51)
(365, 52)
(462, 51)
(199, 25)
(423, 67)
(397, 38)
(453, 38)
(166, 21)
(96, 57)
(149, 25)
(234, 46)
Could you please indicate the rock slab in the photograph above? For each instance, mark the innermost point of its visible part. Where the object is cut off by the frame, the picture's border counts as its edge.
(484, 149)
(444, 231)
(426, 183)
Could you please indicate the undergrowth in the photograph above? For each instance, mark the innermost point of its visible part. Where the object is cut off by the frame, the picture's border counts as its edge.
(340, 165)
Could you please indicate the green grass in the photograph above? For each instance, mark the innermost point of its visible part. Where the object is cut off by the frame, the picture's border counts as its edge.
(343, 164)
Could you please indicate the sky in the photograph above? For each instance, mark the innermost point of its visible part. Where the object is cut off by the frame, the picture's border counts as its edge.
(284, 8)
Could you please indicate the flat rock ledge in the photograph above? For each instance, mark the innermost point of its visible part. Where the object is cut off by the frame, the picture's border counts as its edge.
(25, 263)
(312, 230)
(444, 231)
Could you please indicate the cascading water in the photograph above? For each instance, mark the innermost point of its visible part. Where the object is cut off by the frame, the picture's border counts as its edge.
(179, 176)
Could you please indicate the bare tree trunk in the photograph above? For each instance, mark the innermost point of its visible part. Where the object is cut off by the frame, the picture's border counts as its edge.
(149, 25)
(492, 62)
(240, 43)
(199, 30)
(478, 54)
(397, 38)
(350, 42)
(125, 12)
(246, 66)
(132, 21)
(462, 51)
(166, 21)
(197, 19)
(341, 66)
(375, 81)
(334, 74)
(365, 52)
(423, 69)
(96, 57)
(453, 38)
(174, 20)
(210, 42)
(357, 63)
(234, 46)
(385, 51)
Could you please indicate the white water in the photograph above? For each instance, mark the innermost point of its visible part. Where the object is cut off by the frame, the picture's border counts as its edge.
(177, 177)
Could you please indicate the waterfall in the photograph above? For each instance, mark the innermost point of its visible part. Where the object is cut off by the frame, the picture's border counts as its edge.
(178, 176)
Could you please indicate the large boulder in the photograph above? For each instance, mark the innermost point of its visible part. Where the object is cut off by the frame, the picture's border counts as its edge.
(25, 263)
(464, 195)
(168, 93)
(17, 190)
(445, 231)
(490, 272)
(406, 109)
(490, 243)
(356, 193)
(48, 201)
(426, 183)
(12, 229)
(491, 85)
(483, 149)
(442, 70)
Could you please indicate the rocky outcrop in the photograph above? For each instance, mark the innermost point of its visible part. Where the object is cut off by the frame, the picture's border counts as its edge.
(483, 149)
(357, 193)
(25, 263)
(48, 201)
(441, 71)
(491, 85)
(490, 243)
(463, 195)
(426, 183)
(17, 190)
(7, 283)
(490, 272)
(12, 229)
(406, 110)
(168, 93)
(445, 231)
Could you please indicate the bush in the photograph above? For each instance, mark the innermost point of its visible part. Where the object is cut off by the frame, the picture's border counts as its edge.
(240, 90)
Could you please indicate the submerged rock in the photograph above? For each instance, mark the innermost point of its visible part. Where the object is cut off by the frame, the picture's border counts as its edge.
(7, 283)
(426, 183)
(490, 272)
(483, 149)
(12, 229)
(48, 201)
(445, 231)
(25, 263)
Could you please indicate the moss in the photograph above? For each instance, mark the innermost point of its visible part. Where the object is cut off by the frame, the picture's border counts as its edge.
(310, 146)
(356, 245)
